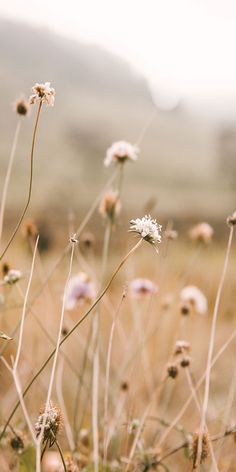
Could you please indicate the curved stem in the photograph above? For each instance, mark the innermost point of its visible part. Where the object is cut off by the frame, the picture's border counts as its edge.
(70, 332)
(61, 455)
(8, 175)
(30, 184)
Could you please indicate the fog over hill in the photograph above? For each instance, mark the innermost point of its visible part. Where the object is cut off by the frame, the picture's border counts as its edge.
(99, 99)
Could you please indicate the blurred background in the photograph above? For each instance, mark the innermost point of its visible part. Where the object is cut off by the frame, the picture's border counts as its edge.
(160, 74)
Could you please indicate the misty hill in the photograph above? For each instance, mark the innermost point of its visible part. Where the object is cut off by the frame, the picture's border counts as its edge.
(99, 99)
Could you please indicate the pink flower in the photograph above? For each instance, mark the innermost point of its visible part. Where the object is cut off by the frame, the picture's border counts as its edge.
(142, 287)
(80, 289)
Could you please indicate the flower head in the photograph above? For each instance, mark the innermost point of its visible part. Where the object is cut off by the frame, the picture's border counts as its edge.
(51, 418)
(181, 347)
(121, 151)
(43, 93)
(110, 205)
(201, 232)
(142, 287)
(147, 228)
(194, 296)
(12, 277)
(231, 220)
(79, 290)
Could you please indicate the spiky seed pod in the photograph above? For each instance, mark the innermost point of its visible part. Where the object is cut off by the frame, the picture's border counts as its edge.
(53, 423)
(205, 448)
(172, 371)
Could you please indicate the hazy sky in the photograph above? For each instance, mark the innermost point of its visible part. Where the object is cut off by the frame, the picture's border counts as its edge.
(186, 47)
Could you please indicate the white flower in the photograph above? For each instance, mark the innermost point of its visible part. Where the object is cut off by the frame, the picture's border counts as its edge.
(141, 287)
(12, 276)
(195, 297)
(121, 151)
(44, 93)
(148, 229)
(79, 290)
(201, 232)
(181, 347)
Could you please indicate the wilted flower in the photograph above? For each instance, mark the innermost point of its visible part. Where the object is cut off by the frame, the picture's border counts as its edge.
(142, 287)
(80, 289)
(202, 232)
(13, 276)
(22, 107)
(231, 220)
(147, 228)
(194, 296)
(185, 361)
(110, 205)
(121, 151)
(43, 93)
(181, 347)
(52, 424)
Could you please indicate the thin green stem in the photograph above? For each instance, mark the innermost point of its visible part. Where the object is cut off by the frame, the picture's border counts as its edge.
(30, 184)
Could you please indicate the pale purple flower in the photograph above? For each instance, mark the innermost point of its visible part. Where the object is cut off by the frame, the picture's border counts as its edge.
(195, 297)
(121, 151)
(142, 287)
(79, 290)
(201, 232)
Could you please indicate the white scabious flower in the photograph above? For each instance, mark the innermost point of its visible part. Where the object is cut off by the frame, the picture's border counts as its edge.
(43, 93)
(142, 287)
(202, 232)
(121, 151)
(147, 228)
(79, 290)
(12, 277)
(195, 297)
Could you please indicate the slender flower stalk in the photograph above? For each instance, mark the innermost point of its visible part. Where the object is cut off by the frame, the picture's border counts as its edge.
(8, 175)
(77, 324)
(211, 344)
(30, 184)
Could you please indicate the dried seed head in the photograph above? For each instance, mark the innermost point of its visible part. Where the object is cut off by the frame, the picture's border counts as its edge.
(110, 205)
(133, 426)
(185, 308)
(17, 443)
(124, 386)
(22, 107)
(205, 448)
(84, 437)
(64, 330)
(231, 220)
(53, 422)
(201, 232)
(29, 229)
(87, 240)
(172, 370)
(5, 268)
(120, 152)
(185, 361)
(71, 465)
(43, 93)
(12, 277)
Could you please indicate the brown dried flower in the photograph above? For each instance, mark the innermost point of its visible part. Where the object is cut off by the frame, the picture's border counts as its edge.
(205, 448)
(172, 370)
(110, 205)
(22, 107)
(53, 423)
